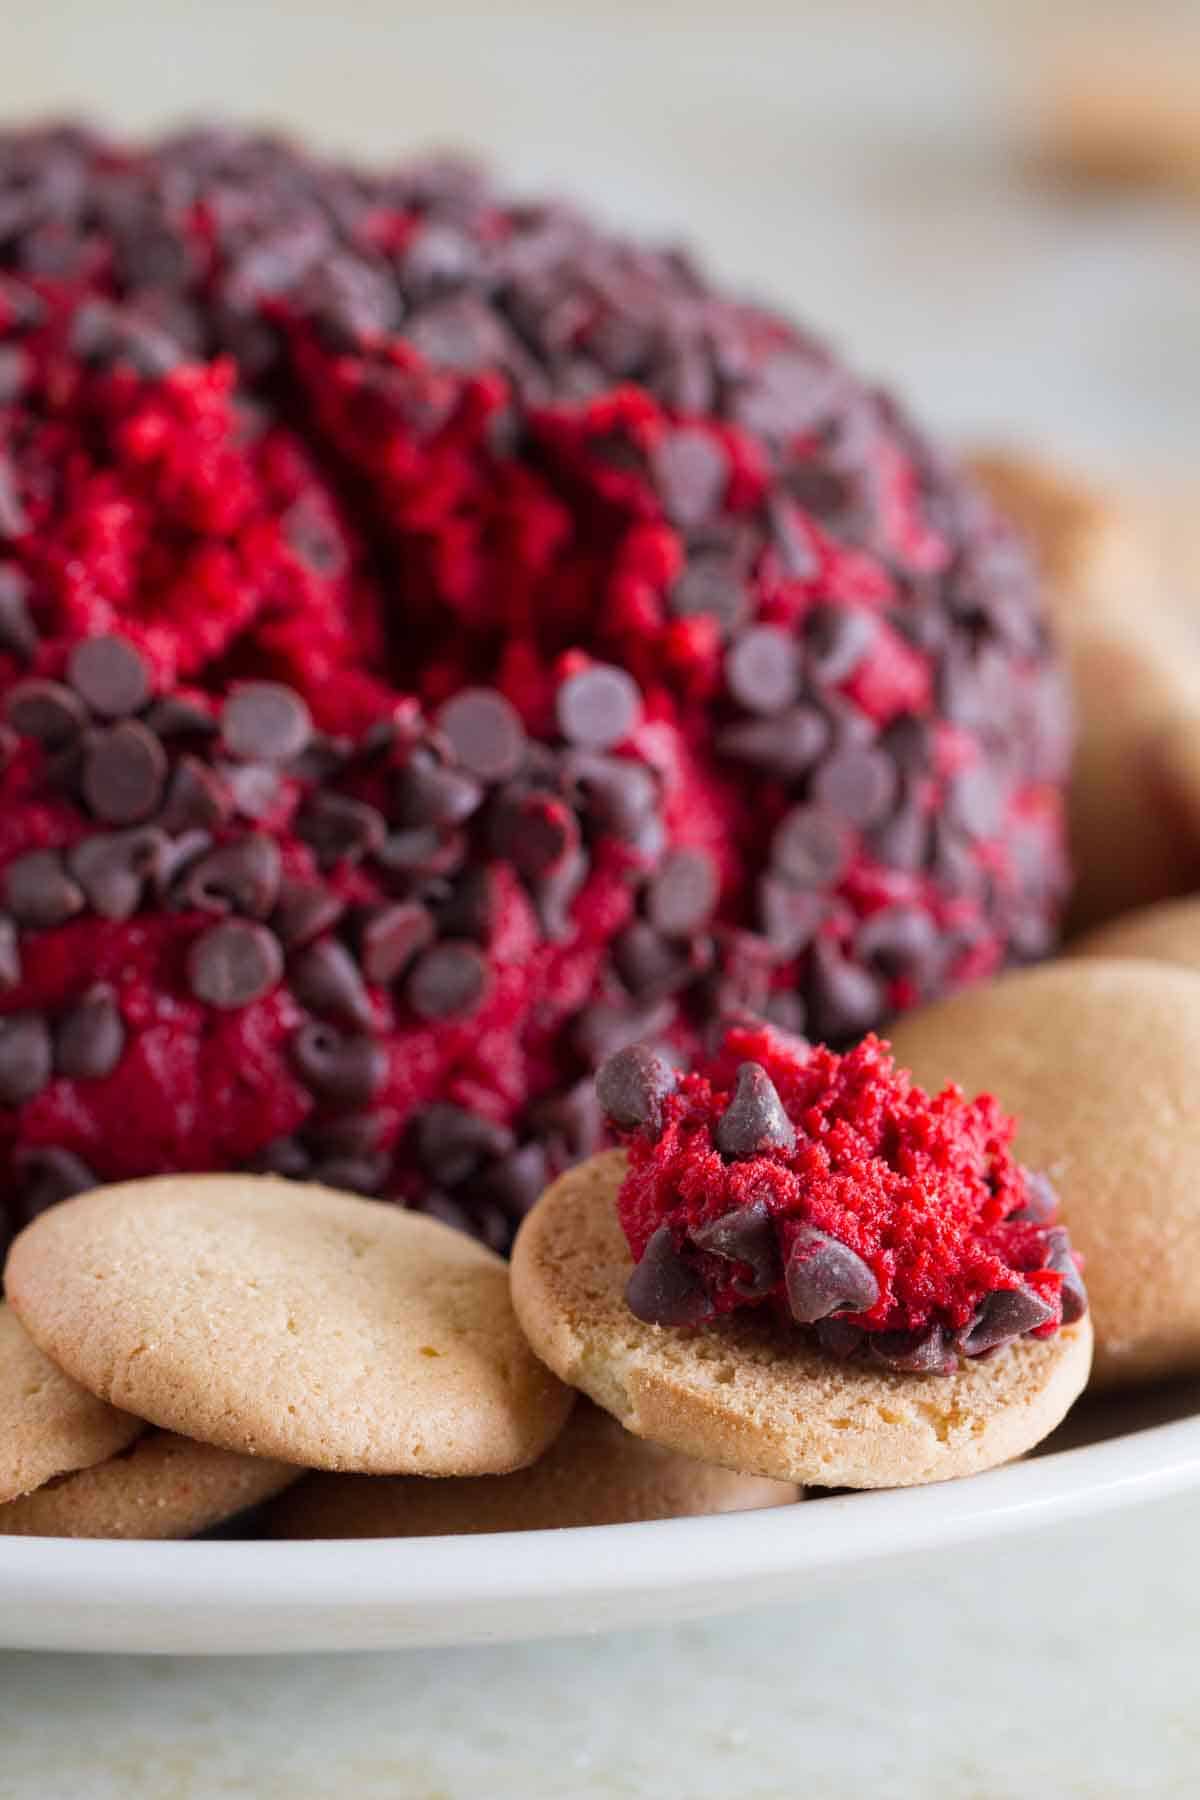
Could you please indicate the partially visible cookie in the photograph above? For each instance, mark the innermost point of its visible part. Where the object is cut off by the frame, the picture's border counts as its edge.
(49, 1425)
(163, 1487)
(1124, 114)
(1100, 1062)
(1166, 933)
(596, 1474)
(751, 1396)
(1134, 661)
(289, 1321)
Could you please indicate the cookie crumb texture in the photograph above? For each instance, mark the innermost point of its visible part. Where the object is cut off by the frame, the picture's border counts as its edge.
(440, 643)
(833, 1192)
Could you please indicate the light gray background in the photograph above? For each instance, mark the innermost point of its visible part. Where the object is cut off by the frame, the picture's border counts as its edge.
(863, 163)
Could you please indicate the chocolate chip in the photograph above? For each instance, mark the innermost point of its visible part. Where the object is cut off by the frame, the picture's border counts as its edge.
(599, 707)
(663, 1289)
(1041, 1200)
(898, 941)
(173, 716)
(516, 1181)
(327, 980)
(754, 1123)
(839, 1338)
(485, 732)
(46, 1176)
(535, 831)
(913, 1352)
(263, 721)
(682, 892)
(428, 793)
(346, 1070)
(785, 1011)
(1073, 1293)
(837, 640)
(254, 788)
(234, 963)
(124, 771)
(243, 876)
(902, 841)
(843, 1000)
(746, 1235)
(424, 851)
(452, 1143)
(391, 936)
(38, 892)
(339, 829)
(110, 675)
(615, 793)
(690, 470)
(857, 784)
(650, 965)
(976, 799)
(712, 585)
(631, 1087)
(787, 745)
(760, 669)
(350, 1134)
(449, 981)
(810, 848)
(352, 1174)
(46, 711)
(909, 742)
(18, 633)
(303, 911)
(26, 1057)
(1001, 1316)
(197, 799)
(570, 1125)
(790, 916)
(90, 1039)
(285, 1156)
(112, 868)
(825, 1276)
(14, 520)
(10, 955)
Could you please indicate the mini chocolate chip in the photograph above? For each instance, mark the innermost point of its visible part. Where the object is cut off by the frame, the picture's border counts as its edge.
(323, 759)
(810, 848)
(18, 633)
(112, 868)
(197, 798)
(429, 793)
(339, 829)
(760, 669)
(711, 584)
(1001, 1316)
(790, 916)
(843, 1000)
(1073, 1294)
(446, 1210)
(26, 1057)
(663, 1289)
(516, 1181)
(825, 1276)
(570, 1126)
(746, 1235)
(535, 831)
(837, 641)
(599, 707)
(124, 771)
(172, 716)
(174, 858)
(303, 911)
(1041, 1199)
(857, 784)
(352, 1174)
(607, 1026)
(554, 894)
(90, 1039)
(350, 1134)
(903, 840)
(682, 892)
(452, 1143)
(234, 963)
(254, 788)
(754, 1123)
(10, 955)
(46, 711)
(285, 1156)
(690, 470)
(111, 675)
(243, 875)
(786, 746)
(327, 980)
(14, 520)
(615, 793)
(263, 721)
(485, 732)
(46, 1176)
(839, 1338)
(975, 800)
(421, 851)
(899, 941)
(39, 893)
(631, 1087)
(347, 1070)
(650, 965)
(391, 936)
(785, 1011)
(469, 906)
(448, 981)
(925, 1352)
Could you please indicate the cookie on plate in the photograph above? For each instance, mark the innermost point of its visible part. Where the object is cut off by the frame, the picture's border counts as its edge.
(285, 1320)
(49, 1424)
(1100, 1061)
(595, 1474)
(164, 1486)
(746, 1394)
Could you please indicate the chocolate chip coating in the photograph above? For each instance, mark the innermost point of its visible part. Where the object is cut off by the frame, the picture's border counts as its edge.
(754, 1123)
(825, 1276)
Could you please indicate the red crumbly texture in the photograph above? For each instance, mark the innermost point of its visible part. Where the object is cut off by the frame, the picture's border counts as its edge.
(922, 1188)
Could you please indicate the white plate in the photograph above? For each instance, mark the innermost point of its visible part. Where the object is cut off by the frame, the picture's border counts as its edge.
(224, 1595)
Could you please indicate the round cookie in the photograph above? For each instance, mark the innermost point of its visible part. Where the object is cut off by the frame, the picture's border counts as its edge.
(49, 1425)
(164, 1487)
(746, 1395)
(289, 1321)
(595, 1474)
(1100, 1062)
(1166, 933)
